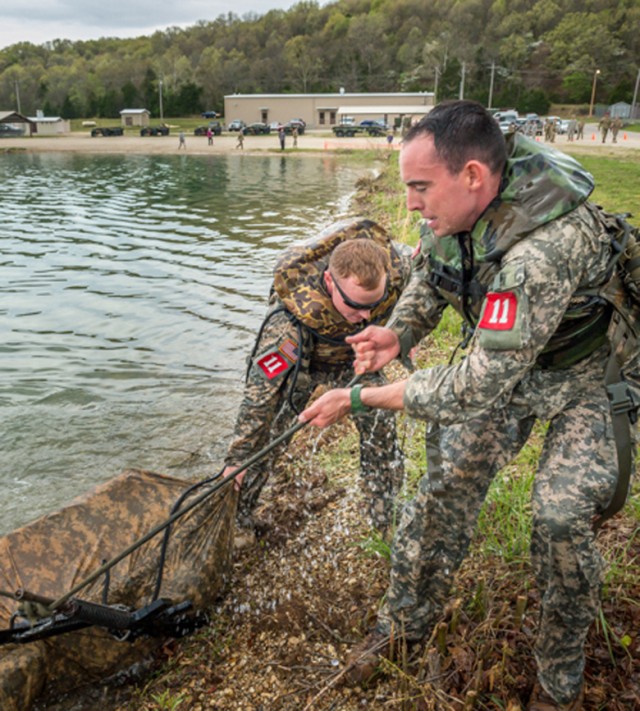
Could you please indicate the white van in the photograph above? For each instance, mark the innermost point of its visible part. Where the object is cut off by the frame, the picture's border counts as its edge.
(506, 116)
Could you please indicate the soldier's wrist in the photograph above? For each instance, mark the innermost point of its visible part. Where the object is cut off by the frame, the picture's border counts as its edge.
(357, 406)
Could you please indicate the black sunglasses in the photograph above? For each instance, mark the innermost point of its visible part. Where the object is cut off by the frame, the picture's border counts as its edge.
(361, 307)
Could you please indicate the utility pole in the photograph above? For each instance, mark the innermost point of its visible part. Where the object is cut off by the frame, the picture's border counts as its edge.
(635, 96)
(160, 98)
(462, 73)
(593, 91)
(17, 84)
(435, 89)
(493, 72)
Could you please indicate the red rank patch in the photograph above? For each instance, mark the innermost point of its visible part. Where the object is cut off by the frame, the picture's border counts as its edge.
(272, 364)
(500, 311)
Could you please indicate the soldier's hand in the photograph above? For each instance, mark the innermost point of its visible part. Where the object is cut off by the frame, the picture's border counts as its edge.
(237, 484)
(374, 348)
(328, 408)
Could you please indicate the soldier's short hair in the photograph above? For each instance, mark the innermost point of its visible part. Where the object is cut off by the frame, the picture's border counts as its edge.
(363, 259)
(463, 131)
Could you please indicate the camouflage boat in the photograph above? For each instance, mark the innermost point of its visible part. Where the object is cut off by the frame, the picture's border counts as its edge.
(158, 590)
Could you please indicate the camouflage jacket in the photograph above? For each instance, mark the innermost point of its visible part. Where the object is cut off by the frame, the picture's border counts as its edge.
(303, 335)
(533, 278)
(299, 288)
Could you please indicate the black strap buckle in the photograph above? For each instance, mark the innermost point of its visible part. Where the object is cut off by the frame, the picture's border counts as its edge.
(623, 400)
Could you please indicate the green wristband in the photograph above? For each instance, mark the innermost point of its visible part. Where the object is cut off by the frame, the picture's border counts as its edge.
(357, 406)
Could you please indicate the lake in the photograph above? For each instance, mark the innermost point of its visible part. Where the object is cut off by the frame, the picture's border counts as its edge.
(132, 290)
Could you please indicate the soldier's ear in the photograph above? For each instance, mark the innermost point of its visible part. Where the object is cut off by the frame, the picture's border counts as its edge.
(475, 174)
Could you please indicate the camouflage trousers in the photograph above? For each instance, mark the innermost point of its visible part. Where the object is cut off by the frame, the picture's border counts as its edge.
(381, 461)
(575, 480)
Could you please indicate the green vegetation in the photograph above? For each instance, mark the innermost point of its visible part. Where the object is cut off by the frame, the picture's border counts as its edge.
(530, 53)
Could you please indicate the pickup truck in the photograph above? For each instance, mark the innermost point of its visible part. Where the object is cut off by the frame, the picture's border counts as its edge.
(114, 131)
(347, 130)
(154, 131)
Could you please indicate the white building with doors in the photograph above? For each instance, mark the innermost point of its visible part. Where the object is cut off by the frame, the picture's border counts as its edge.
(327, 110)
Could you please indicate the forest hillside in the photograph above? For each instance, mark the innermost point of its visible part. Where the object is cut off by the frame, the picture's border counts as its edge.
(524, 53)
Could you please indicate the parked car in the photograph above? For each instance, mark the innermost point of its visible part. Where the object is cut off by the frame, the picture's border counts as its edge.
(6, 129)
(236, 125)
(275, 125)
(295, 123)
(215, 126)
(374, 123)
(255, 129)
(154, 131)
(507, 125)
(107, 131)
(209, 114)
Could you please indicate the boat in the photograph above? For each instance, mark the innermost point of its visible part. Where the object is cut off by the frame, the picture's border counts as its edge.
(74, 609)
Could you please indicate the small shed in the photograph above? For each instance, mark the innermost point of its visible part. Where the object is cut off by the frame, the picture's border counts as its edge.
(50, 125)
(135, 117)
(620, 110)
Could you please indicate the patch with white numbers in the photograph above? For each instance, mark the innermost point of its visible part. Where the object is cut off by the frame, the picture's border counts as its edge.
(273, 364)
(504, 318)
(500, 311)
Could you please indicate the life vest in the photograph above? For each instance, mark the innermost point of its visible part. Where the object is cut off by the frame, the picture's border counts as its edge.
(539, 185)
(299, 286)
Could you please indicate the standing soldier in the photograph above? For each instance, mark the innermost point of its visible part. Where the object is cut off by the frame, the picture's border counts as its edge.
(616, 125)
(605, 125)
(511, 242)
(324, 289)
(580, 129)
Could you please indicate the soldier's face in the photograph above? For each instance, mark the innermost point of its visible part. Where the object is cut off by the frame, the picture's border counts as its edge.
(356, 294)
(444, 200)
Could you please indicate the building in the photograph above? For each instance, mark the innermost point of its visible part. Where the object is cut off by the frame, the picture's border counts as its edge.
(50, 125)
(135, 117)
(326, 110)
(13, 123)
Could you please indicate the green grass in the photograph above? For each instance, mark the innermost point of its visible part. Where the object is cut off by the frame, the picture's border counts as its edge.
(617, 183)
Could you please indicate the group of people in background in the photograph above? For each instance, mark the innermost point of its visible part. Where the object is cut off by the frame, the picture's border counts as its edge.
(608, 124)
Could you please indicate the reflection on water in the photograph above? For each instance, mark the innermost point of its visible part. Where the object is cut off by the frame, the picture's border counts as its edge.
(131, 290)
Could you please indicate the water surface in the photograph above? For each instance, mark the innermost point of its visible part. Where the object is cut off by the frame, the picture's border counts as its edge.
(131, 290)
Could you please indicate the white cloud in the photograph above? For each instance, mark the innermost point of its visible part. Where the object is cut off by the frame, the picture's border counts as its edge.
(45, 20)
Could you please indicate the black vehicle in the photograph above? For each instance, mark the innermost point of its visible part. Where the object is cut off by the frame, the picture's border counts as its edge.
(215, 126)
(255, 129)
(154, 131)
(375, 123)
(8, 130)
(209, 114)
(236, 125)
(112, 131)
(295, 123)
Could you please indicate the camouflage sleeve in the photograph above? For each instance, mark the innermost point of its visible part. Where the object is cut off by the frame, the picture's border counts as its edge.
(520, 313)
(264, 391)
(418, 310)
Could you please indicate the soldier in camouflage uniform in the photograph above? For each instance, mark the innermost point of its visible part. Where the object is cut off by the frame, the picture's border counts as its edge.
(324, 289)
(511, 243)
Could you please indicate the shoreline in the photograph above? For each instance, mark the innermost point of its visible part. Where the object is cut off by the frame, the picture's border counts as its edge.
(309, 143)
(195, 145)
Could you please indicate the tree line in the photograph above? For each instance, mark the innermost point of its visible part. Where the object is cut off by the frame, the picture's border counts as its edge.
(521, 53)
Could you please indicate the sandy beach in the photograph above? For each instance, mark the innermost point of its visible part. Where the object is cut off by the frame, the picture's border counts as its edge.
(83, 142)
(315, 141)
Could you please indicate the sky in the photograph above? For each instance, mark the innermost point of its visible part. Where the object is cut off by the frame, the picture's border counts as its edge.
(40, 21)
